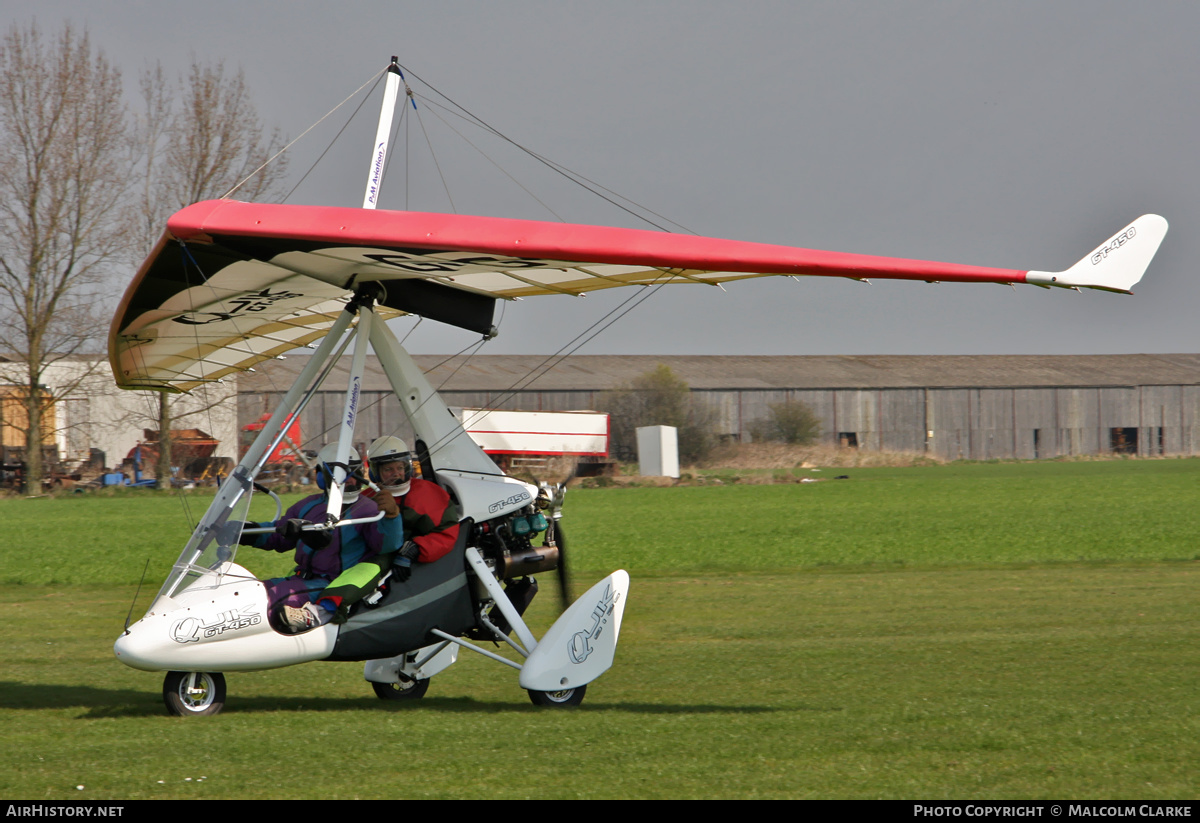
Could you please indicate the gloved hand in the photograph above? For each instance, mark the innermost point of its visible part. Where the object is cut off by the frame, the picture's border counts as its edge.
(293, 529)
(387, 504)
(402, 567)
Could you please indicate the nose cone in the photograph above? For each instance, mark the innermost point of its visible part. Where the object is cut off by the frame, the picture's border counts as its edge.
(135, 648)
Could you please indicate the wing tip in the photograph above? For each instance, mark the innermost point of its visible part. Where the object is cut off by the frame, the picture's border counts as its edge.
(1117, 264)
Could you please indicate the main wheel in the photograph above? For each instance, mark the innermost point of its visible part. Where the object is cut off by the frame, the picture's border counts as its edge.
(206, 697)
(404, 690)
(565, 699)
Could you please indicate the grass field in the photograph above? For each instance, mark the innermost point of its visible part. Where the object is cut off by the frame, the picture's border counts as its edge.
(961, 631)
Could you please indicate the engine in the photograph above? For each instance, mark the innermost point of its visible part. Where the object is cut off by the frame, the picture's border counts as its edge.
(507, 543)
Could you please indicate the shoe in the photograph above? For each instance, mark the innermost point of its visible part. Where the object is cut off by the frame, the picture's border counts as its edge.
(301, 619)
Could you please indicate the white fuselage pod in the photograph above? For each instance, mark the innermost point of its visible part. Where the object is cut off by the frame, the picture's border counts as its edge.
(484, 496)
(218, 623)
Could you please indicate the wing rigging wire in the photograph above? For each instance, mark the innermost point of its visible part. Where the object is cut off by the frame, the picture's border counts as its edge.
(550, 361)
(587, 334)
(375, 77)
(596, 328)
(393, 138)
(433, 106)
(437, 165)
(574, 177)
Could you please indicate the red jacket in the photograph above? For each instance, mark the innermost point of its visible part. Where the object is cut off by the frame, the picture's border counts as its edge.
(430, 519)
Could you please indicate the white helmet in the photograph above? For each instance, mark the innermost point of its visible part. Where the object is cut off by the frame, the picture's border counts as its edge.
(389, 451)
(327, 461)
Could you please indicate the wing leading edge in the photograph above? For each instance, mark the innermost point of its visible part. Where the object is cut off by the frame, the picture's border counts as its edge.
(232, 284)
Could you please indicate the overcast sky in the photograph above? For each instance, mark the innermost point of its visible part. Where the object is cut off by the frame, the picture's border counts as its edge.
(1010, 134)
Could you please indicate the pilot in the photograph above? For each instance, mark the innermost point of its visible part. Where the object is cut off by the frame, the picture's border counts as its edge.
(430, 521)
(328, 560)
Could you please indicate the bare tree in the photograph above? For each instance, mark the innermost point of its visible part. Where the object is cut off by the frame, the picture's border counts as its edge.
(64, 169)
(200, 136)
(81, 187)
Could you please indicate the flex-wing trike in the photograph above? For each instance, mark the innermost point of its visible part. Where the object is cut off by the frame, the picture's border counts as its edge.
(212, 615)
(232, 284)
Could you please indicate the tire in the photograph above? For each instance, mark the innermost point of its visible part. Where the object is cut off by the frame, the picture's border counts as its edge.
(404, 690)
(565, 699)
(207, 700)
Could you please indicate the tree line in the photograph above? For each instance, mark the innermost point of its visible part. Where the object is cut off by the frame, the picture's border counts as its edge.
(88, 178)
(87, 181)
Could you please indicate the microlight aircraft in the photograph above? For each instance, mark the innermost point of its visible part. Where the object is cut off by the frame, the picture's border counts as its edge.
(232, 284)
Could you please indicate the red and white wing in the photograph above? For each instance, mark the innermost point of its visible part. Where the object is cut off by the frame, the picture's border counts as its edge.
(232, 284)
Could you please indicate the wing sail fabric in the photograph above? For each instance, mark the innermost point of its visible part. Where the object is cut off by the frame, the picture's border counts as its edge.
(232, 284)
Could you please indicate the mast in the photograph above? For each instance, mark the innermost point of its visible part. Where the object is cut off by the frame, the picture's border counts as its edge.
(375, 173)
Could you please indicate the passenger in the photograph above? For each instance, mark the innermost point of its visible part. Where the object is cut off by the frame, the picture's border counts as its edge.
(430, 526)
(325, 558)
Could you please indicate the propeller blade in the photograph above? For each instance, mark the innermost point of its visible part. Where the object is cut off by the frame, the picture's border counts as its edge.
(564, 581)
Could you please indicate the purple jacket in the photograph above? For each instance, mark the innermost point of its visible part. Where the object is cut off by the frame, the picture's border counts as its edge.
(350, 544)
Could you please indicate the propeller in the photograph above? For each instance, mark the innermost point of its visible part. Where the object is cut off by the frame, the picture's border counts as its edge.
(551, 476)
(552, 488)
(553, 494)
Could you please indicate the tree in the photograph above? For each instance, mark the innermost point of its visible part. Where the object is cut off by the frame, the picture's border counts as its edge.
(64, 169)
(658, 398)
(199, 137)
(83, 186)
(790, 422)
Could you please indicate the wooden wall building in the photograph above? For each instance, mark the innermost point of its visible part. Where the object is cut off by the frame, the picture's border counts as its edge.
(975, 407)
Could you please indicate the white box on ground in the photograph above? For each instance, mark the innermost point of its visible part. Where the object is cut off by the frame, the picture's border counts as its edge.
(658, 451)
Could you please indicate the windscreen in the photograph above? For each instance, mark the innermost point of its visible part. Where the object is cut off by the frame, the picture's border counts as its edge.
(215, 540)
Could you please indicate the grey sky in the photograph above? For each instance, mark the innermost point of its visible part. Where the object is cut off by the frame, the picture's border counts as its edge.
(1014, 134)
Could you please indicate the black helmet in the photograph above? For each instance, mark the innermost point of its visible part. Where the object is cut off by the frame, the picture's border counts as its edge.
(327, 461)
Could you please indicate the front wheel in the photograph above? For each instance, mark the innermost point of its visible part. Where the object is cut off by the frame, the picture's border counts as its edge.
(203, 697)
(404, 690)
(564, 699)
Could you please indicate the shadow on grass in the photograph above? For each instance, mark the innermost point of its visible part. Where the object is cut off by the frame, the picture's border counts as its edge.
(98, 702)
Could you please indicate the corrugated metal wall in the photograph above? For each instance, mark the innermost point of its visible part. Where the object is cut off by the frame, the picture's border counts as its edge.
(379, 415)
(949, 423)
(983, 424)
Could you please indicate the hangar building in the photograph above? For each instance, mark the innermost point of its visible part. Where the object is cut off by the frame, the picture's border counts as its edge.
(957, 406)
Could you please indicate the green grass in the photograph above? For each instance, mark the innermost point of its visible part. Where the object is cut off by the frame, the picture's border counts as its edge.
(941, 515)
(972, 513)
(907, 633)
